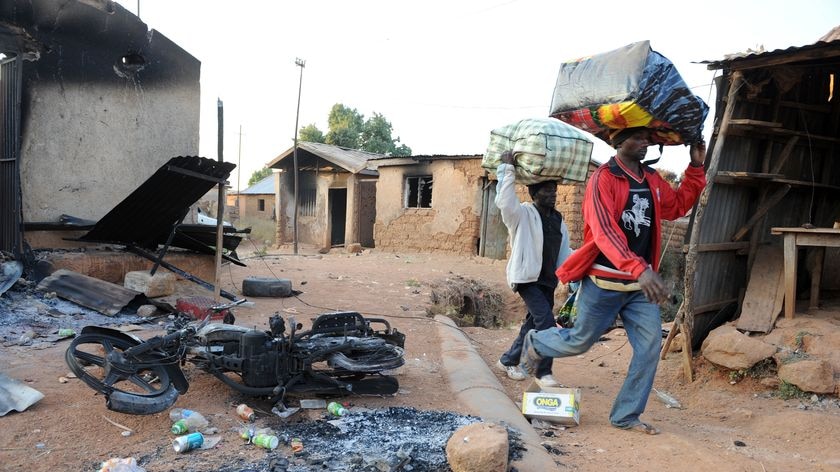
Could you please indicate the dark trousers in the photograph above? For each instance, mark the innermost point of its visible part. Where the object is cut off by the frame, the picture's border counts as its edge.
(539, 299)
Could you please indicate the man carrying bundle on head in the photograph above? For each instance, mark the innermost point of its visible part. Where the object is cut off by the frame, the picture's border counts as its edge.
(539, 243)
(617, 267)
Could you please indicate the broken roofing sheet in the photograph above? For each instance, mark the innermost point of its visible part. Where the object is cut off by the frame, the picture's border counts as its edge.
(147, 216)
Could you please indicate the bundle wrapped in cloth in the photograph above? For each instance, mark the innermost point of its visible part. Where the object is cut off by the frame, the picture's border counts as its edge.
(626, 88)
(543, 149)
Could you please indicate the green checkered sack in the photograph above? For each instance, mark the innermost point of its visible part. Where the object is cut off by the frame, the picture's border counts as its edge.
(543, 149)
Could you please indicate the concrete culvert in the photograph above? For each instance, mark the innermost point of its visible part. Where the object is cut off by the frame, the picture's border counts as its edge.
(467, 301)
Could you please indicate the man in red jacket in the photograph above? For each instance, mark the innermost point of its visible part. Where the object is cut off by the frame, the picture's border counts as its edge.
(617, 265)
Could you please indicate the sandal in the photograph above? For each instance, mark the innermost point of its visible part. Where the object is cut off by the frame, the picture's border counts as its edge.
(644, 428)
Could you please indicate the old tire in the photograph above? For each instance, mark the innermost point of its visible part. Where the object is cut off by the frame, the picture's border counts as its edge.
(266, 287)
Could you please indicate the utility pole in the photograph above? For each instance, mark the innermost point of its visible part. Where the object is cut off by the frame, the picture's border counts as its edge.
(220, 211)
(300, 63)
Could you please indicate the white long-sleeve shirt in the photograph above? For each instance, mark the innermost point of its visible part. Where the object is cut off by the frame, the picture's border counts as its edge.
(525, 229)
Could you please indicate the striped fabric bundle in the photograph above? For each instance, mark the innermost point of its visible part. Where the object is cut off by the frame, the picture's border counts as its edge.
(543, 149)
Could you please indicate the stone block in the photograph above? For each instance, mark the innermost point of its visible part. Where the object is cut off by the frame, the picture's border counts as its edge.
(159, 285)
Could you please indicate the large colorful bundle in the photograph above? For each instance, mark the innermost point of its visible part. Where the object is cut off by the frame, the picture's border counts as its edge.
(628, 87)
(543, 149)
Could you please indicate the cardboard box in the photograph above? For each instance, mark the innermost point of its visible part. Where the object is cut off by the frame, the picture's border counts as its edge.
(556, 405)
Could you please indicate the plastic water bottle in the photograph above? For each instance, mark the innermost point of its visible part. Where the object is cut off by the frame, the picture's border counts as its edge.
(336, 409)
(668, 400)
(176, 414)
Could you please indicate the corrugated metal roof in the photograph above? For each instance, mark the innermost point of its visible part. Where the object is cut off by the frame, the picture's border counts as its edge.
(797, 53)
(263, 187)
(352, 160)
(145, 218)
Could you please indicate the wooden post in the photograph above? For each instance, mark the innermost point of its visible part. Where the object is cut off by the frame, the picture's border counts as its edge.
(220, 211)
(711, 169)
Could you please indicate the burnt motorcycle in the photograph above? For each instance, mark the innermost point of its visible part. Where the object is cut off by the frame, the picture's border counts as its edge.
(341, 353)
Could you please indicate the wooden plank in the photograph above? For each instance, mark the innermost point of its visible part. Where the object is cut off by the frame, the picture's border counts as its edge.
(750, 175)
(790, 274)
(748, 122)
(761, 211)
(785, 154)
(720, 247)
(801, 230)
(712, 164)
(763, 299)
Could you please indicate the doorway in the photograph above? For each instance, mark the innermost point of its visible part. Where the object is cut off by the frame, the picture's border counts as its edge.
(338, 215)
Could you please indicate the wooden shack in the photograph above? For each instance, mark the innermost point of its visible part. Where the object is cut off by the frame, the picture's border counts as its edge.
(773, 169)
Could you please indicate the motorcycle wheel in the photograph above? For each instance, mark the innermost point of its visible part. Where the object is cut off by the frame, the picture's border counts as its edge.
(385, 357)
(87, 358)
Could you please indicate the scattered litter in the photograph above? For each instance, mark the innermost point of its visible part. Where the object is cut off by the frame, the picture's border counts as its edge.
(337, 409)
(188, 442)
(66, 332)
(125, 434)
(266, 441)
(126, 428)
(296, 445)
(14, 395)
(27, 337)
(63, 380)
(210, 442)
(283, 411)
(317, 403)
(740, 443)
(128, 464)
(667, 399)
(245, 412)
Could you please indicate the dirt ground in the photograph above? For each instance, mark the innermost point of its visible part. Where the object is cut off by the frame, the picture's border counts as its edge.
(723, 426)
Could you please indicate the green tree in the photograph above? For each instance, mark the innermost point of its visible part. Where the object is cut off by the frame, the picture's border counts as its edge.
(311, 133)
(345, 127)
(349, 129)
(259, 175)
(376, 137)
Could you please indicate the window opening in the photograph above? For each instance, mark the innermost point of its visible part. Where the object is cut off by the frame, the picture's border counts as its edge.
(418, 192)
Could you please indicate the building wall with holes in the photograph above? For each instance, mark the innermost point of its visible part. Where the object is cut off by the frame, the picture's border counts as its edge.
(105, 103)
(451, 224)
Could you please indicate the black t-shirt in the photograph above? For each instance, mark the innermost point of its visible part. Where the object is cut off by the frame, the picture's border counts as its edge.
(552, 238)
(636, 220)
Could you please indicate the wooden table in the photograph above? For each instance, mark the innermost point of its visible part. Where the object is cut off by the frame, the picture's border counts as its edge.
(794, 238)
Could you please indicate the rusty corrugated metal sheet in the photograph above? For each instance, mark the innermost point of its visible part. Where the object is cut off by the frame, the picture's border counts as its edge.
(145, 218)
(734, 61)
(352, 160)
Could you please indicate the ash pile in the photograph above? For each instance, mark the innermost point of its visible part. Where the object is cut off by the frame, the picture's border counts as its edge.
(30, 317)
(390, 439)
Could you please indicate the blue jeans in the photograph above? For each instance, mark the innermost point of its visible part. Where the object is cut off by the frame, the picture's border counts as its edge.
(596, 311)
(539, 299)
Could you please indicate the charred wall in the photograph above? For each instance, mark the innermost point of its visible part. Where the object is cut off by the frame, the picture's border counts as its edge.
(105, 103)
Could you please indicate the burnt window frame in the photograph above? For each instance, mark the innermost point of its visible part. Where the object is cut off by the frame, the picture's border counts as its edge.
(418, 195)
(308, 201)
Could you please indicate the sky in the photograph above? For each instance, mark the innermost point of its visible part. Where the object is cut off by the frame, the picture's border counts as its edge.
(444, 73)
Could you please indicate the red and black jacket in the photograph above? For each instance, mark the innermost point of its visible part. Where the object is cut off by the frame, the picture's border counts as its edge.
(606, 195)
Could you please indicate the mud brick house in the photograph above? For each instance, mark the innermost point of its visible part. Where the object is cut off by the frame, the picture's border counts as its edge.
(93, 102)
(429, 203)
(336, 198)
(256, 201)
